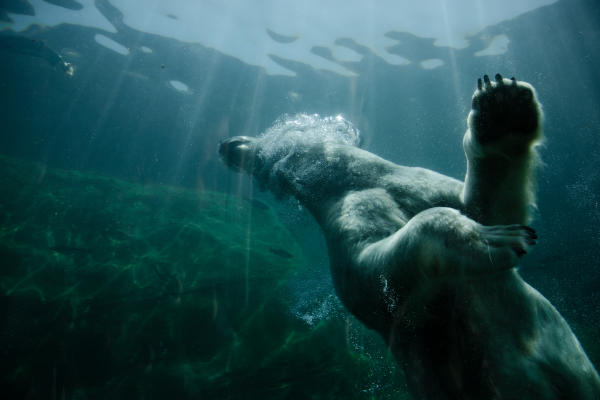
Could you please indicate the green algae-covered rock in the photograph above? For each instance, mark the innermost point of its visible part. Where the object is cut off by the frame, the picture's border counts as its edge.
(65, 228)
(110, 289)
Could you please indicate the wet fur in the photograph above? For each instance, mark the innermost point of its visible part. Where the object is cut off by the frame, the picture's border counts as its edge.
(429, 261)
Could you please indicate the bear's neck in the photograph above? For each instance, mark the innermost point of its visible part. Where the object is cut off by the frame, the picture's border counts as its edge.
(499, 190)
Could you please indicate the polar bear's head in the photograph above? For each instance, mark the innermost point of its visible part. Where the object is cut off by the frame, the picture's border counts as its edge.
(289, 156)
(287, 135)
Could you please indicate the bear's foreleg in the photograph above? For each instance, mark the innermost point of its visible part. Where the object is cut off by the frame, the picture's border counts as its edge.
(505, 124)
(441, 242)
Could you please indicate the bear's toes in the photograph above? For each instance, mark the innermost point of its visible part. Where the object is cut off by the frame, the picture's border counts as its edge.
(520, 251)
(500, 247)
(488, 83)
(486, 80)
(530, 231)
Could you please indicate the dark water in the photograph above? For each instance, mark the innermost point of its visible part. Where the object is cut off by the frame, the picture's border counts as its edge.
(135, 265)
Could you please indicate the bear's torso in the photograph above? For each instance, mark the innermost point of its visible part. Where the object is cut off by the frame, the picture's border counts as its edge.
(445, 332)
(429, 261)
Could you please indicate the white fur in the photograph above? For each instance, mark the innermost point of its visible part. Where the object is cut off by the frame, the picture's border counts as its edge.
(429, 262)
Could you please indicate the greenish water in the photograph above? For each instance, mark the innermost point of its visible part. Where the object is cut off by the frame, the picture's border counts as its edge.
(112, 289)
(135, 265)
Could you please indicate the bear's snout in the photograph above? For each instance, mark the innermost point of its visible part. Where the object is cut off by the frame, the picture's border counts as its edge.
(237, 152)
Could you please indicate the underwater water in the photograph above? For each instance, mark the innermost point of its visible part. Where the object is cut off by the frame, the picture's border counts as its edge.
(135, 264)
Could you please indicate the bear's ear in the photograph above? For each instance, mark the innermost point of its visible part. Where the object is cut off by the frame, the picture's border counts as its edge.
(238, 153)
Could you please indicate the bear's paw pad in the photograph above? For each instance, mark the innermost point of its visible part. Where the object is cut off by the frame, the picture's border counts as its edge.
(504, 107)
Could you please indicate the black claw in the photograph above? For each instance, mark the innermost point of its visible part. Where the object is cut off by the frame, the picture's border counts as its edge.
(530, 231)
(486, 82)
(479, 85)
(499, 79)
(520, 252)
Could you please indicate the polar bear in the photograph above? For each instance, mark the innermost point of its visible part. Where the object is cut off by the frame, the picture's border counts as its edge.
(428, 261)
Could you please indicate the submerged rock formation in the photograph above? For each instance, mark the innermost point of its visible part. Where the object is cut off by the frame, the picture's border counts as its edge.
(110, 289)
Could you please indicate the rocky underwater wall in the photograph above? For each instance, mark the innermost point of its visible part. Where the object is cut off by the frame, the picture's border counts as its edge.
(110, 289)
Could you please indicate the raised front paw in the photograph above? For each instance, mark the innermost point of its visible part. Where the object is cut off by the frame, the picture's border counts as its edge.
(504, 109)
